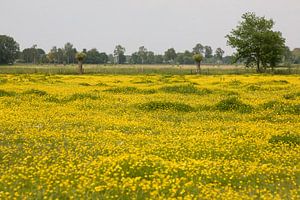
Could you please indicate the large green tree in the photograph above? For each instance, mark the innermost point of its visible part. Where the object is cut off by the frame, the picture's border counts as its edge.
(256, 43)
(9, 50)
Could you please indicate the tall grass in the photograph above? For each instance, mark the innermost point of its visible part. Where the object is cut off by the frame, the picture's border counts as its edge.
(136, 69)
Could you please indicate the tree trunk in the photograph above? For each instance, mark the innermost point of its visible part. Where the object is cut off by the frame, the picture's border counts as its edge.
(80, 67)
(198, 68)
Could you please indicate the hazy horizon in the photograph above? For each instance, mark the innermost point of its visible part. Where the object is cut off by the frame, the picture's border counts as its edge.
(155, 24)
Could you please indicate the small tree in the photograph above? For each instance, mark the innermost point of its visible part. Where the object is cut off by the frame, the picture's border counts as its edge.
(80, 58)
(198, 58)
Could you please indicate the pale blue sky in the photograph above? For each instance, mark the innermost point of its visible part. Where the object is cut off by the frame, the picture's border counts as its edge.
(156, 24)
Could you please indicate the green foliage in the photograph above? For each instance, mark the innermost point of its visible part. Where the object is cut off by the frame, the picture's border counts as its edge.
(4, 93)
(9, 49)
(36, 92)
(129, 90)
(282, 108)
(185, 89)
(289, 139)
(198, 58)
(162, 105)
(80, 56)
(81, 96)
(84, 84)
(170, 55)
(256, 43)
(233, 104)
(292, 96)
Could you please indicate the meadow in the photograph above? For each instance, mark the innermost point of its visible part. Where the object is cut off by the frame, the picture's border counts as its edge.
(149, 136)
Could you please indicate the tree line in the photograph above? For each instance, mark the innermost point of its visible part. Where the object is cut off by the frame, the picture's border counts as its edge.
(67, 55)
(256, 45)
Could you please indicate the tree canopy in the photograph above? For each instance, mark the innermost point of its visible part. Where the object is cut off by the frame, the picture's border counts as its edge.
(9, 50)
(256, 43)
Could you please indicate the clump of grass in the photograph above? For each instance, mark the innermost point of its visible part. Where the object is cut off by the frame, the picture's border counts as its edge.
(289, 139)
(271, 104)
(36, 92)
(84, 84)
(129, 90)
(81, 96)
(4, 93)
(185, 89)
(235, 83)
(233, 104)
(282, 108)
(3, 81)
(101, 84)
(162, 105)
(253, 88)
(292, 96)
(53, 99)
(279, 82)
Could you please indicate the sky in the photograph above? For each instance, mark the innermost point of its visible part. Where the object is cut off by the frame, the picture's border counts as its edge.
(155, 24)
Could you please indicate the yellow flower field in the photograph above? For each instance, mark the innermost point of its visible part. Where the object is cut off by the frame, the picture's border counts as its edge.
(149, 137)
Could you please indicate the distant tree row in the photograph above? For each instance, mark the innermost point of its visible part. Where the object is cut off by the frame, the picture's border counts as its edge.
(256, 45)
(67, 55)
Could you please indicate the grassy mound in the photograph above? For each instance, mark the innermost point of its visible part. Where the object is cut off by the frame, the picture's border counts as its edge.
(36, 92)
(129, 90)
(292, 96)
(4, 93)
(161, 105)
(289, 139)
(233, 104)
(185, 89)
(282, 108)
(81, 96)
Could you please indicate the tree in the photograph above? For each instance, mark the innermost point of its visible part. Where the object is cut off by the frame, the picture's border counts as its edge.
(103, 58)
(80, 58)
(9, 50)
(208, 52)
(119, 54)
(142, 53)
(296, 55)
(93, 57)
(69, 52)
(198, 58)
(33, 55)
(256, 43)
(219, 53)
(198, 49)
(170, 55)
